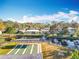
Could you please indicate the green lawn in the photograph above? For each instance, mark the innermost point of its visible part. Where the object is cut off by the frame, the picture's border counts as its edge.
(2, 40)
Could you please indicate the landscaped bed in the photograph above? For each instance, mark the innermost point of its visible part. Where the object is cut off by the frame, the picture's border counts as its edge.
(52, 51)
(6, 48)
(2, 40)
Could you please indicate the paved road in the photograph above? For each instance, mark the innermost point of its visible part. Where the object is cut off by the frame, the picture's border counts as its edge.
(29, 56)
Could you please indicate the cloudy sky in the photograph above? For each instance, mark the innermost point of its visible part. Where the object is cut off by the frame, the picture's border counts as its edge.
(39, 10)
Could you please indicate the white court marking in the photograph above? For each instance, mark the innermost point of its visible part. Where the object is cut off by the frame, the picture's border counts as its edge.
(18, 49)
(41, 51)
(38, 49)
(24, 50)
(12, 50)
(32, 49)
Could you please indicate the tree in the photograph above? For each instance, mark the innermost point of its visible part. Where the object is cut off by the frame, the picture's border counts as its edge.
(10, 30)
(75, 55)
(2, 26)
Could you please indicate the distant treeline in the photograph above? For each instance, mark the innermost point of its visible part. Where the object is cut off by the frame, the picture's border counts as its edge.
(13, 27)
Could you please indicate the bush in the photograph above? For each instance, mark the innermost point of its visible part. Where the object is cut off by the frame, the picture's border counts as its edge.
(13, 38)
(8, 39)
(10, 30)
(75, 55)
(2, 40)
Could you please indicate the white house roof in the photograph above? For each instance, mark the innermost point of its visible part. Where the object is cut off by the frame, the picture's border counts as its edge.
(0, 32)
(70, 28)
(32, 30)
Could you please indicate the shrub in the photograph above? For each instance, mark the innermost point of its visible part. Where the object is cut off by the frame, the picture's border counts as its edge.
(8, 39)
(75, 55)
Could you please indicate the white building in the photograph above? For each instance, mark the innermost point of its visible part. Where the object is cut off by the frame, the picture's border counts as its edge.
(32, 31)
(71, 30)
(23, 30)
(0, 32)
(45, 30)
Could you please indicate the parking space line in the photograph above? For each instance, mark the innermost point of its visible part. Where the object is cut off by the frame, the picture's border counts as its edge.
(41, 51)
(12, 50)
(24, 50)
(32, 49)
(18, 49)
(38, 48)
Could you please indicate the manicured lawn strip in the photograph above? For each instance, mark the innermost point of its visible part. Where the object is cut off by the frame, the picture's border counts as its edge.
(5, 49)
(2, 40)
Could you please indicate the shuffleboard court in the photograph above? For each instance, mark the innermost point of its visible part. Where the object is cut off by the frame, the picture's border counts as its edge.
(35, 49)
(21, 50)
(15, 49)
(28, 49)
(24, 49)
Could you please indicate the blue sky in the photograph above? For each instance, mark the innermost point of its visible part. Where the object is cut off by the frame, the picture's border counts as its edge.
(18, 9)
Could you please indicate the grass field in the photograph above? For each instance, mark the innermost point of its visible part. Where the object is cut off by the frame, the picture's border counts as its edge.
(2, 40)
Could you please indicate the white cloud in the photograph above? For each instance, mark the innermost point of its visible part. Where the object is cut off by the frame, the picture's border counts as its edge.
(35, 19)
(12, 19)
(60, 16)
(74, 12)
